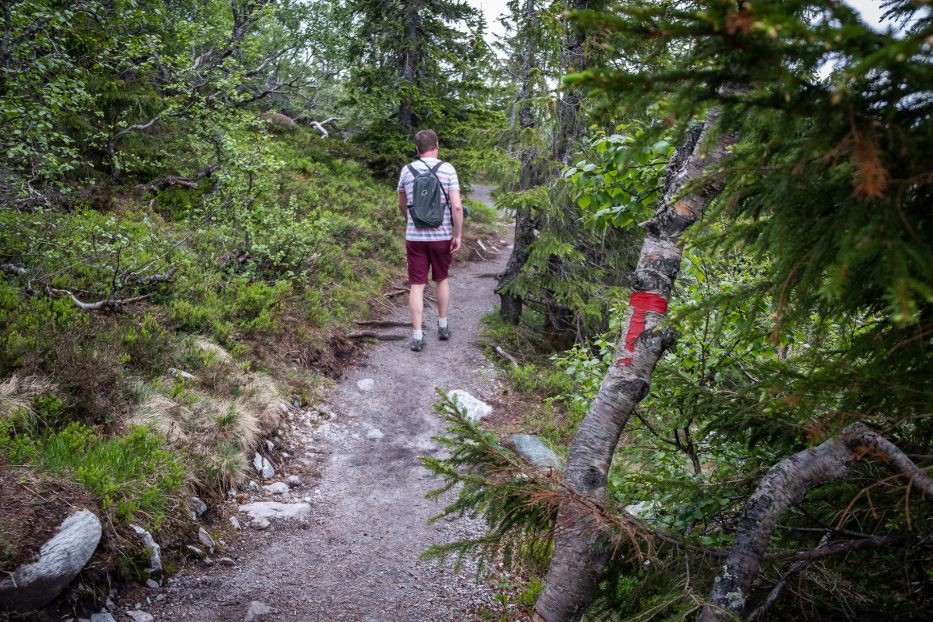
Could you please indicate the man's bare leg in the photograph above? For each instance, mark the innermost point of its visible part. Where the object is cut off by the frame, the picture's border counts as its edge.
(443, 298)
(416, 306)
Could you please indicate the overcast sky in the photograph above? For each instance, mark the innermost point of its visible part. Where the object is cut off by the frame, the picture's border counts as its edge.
(869, 9)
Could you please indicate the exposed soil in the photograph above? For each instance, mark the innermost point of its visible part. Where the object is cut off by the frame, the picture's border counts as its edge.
(357, 557)
(32, 509)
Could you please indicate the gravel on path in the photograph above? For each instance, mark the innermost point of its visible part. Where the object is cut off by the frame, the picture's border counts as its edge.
(357, 556)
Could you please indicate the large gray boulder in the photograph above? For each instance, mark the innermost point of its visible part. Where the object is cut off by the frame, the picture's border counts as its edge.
(34, 585)
(535, 451)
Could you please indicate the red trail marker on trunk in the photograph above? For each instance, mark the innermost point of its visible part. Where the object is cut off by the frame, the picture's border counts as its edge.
(641, 302)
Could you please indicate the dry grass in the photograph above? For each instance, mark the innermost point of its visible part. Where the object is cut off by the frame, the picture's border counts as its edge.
(264, 399)
(218, 418)
(18, 392)
(165, 416)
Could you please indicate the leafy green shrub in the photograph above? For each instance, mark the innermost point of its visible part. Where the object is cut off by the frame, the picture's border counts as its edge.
(133, 476)
(480, 212)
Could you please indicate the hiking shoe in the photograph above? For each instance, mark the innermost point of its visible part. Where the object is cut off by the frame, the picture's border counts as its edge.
(443, 333)
(417, 345)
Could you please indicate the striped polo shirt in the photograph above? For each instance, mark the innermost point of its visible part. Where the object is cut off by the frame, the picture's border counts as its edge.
(448, 178)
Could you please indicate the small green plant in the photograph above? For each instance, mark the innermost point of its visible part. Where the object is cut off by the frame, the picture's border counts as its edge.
(133, 476)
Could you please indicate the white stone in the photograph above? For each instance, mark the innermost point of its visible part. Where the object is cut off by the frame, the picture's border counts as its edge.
(294, 480)
(475, 409)
(263, 466)
(205, 538)
(257, 611)
(270, 445)
(366, 384)
(195, 550)
(152, 584)
(260, 523)
(32, 586)
(140, 616)
(178, 373)
(103, 616)
(198, 506)
(277, 488)
(374, 434)
(274, 509)
(235, 523)
(155, 554)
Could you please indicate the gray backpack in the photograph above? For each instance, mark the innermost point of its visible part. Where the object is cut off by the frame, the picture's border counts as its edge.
(425, 207)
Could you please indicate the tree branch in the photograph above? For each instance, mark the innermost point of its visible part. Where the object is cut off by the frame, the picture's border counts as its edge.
(785, 485)
(105, 304)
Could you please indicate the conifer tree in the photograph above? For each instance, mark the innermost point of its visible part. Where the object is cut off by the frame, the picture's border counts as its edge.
(416, 64)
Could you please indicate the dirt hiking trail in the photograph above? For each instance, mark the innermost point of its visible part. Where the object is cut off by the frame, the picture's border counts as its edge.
(356, 557)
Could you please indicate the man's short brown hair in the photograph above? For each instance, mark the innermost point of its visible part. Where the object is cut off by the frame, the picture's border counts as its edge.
(425, 140)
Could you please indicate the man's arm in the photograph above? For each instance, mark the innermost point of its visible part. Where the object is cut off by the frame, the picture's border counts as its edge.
(457, 211)
(403, 202)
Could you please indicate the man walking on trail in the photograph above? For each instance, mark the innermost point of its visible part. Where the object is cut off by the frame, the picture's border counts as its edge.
(430, 246)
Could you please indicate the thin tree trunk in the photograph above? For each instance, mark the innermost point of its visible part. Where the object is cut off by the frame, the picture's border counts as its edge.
(559, 319)
(410, 61)
(580, 547)
(572, 59)
(510, 306)
(785, 485)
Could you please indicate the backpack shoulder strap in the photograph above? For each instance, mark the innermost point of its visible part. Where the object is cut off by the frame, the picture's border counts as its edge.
(413, 170)
(441, 185)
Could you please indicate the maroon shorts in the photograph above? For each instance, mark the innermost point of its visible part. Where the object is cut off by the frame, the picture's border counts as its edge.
(420, 255)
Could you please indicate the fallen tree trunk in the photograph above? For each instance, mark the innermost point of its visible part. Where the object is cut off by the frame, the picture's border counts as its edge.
(581, 548)
(368, 334)
(381, 323)
(785, 485)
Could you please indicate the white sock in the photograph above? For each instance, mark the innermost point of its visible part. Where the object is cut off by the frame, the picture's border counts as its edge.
(442, 322)
(417, 335)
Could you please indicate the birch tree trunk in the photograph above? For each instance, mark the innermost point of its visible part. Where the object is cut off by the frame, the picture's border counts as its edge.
(581, 550)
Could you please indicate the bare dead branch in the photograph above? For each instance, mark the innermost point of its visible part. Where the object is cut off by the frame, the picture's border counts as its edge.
(136, 127)
(319, 125)
(380, 323)
(161, 183)
(793, 571)
(368, 334)
(100, 305)
(511, 359)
